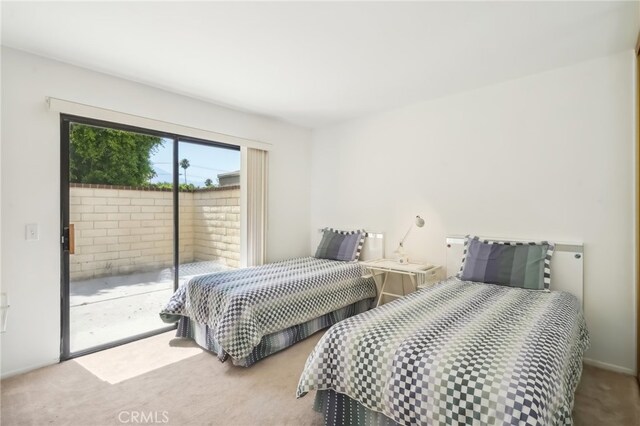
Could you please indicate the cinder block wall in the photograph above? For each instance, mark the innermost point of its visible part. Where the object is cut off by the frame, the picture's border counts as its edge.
(216, 225)
(121, 230)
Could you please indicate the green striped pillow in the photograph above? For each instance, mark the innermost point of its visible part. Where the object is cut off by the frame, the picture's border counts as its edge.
(514, 264)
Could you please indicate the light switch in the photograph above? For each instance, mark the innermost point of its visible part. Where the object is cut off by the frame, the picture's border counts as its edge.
(32, 232)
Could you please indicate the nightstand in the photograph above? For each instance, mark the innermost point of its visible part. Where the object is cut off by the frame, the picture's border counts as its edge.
(420, 274)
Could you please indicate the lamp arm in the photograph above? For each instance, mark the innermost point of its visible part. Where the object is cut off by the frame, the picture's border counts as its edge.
(406, 235)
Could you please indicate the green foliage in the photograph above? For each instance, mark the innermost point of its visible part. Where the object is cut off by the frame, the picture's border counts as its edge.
(167, 185)
(111, 157)
(208, 183)
(187, 187)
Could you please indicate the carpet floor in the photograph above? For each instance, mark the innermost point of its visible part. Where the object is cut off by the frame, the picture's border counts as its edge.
(171, 381)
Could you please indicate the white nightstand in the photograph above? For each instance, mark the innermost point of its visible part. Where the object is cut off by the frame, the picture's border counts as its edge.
(420, 274)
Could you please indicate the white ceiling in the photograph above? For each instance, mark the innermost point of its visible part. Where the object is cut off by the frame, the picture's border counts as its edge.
(318, 63)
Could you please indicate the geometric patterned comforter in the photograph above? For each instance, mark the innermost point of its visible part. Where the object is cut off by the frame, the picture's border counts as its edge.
(243, 305)
(458, 353)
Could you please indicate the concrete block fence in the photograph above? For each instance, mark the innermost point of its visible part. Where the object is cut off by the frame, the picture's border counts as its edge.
(123, 230)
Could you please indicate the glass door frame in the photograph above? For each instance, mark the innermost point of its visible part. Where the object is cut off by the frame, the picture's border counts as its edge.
(65, 308)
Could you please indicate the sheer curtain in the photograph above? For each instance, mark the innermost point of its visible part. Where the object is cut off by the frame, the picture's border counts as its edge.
(256, 211)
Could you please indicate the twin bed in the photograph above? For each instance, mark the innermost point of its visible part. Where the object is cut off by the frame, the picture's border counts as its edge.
(465, 351)
(457, 353)
(248, 314)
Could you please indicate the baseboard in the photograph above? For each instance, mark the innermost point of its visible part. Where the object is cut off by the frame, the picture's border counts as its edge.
(607, 366)
(6, 375)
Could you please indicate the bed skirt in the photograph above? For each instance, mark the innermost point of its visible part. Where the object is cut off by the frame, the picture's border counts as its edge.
(271, 343)
(338, 409)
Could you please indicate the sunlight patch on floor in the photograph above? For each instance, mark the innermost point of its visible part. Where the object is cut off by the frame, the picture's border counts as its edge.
(111, 308)
(135, 359)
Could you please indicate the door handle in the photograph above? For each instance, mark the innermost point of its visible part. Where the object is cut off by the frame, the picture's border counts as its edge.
(69, 239)
(72, 238)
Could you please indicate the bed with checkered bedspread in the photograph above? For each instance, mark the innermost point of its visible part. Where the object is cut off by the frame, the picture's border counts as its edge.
(456, 353)
(240, 307)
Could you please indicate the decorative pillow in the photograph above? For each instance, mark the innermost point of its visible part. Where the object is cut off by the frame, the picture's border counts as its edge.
(510, 263)
(341, 245)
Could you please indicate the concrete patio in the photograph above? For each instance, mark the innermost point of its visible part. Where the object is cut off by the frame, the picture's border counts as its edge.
(113, 308)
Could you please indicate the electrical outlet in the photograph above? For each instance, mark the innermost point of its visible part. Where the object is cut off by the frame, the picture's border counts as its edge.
(32, 232)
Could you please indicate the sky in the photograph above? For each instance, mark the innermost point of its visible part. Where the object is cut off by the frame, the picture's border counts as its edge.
(205, 162)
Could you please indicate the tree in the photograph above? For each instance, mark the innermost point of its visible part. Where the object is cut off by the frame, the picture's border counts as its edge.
(184, 163)
(110, 157)
(208, 183)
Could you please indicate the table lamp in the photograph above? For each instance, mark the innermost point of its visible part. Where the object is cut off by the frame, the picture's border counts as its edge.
(400, 255)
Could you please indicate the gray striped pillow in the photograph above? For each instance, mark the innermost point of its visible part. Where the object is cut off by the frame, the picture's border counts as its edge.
(341, 245)
(511, 263)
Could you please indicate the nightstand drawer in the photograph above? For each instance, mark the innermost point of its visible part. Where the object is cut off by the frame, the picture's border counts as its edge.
(431, 277)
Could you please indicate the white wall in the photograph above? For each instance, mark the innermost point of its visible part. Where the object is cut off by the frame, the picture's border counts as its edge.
(31, 178)
(548, 156)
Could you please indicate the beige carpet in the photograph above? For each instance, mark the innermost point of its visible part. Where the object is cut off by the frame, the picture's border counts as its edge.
(606, 398)
(170, 381)
(192, 389)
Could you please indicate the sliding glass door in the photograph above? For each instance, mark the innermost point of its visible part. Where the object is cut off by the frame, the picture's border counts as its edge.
(141, 212)
(209, 208)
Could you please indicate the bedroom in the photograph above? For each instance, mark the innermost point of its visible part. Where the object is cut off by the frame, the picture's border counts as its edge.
(506, 119)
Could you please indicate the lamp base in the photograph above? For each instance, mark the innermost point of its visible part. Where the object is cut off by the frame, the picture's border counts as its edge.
(400, 256)
(402, 259)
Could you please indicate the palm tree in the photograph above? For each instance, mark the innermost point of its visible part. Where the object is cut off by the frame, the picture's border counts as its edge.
(184, 163)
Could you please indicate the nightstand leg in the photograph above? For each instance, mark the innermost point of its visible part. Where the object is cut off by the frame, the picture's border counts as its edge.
(384, 283)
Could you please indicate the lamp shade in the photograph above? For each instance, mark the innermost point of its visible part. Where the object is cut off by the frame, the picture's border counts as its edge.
(419, 222)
